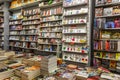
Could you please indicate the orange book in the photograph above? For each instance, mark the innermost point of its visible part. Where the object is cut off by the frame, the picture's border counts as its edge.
(107, 45)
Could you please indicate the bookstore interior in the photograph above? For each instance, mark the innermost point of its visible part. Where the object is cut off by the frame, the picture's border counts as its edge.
(59, 39)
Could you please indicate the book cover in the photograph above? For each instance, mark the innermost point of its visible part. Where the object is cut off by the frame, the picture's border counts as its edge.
(117, 56)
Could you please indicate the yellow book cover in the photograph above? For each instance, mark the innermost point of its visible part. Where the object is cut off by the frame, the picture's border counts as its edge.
(117, 56)
(101, 55)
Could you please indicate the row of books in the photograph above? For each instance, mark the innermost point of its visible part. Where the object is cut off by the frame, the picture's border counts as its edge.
(54, 29)
(24, 44)
(109, 11)
(49, 41)
(31, 12)
(52, 11)
(50, 35)
(47, 47)
(101, 2)
(105, 55)
(20, 27)
(103, 23)
(55, 23)
(75, 57)
(108, 45)
(109, 64)
(24, 38)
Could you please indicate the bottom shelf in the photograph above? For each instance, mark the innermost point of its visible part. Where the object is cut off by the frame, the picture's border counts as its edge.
(110, 64)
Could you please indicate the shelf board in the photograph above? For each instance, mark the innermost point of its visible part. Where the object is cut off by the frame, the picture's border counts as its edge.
(29, 29)
(14, 24)
(51, 21)
(74, 24)
(30, 19)
(25, 6)
(23, 41)
(50, 26)
(60, 14)
(108, 5)
(75, 33)
(29, 48)
(107, 51)
(14, 40)
(49, 38)
(75, 42)
(14, 30)
(47, 51)
(80, 14)
(51, 5)
(22, 34)
(31, 24)
(14, 35)
(111, 29)
(106, 58)
(108, 39)
(75, 52)
(15, 19)
(51, 32)
(108, 16)
(28, 34)
(70, 6)
(48, 44)
(23, 47)
(75, 61)
(15, 46)
(30, 41)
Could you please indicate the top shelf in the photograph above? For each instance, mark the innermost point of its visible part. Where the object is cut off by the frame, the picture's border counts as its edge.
(70, 6)
(52, 5)
(108, 5)
(25, 6)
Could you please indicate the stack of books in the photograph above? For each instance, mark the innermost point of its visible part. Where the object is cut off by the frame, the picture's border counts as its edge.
(48, 64)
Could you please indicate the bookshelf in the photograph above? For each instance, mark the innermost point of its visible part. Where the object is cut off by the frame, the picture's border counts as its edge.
(1, 27)
(75, 31)
(24, 24)
(106, 35)
(51, 27)
(15, 27)
(30, 23)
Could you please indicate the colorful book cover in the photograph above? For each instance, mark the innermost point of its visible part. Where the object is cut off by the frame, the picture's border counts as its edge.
(112, 64)
(117, 56)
